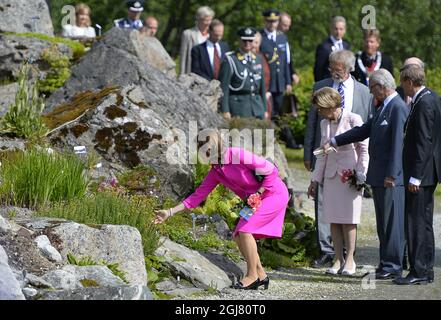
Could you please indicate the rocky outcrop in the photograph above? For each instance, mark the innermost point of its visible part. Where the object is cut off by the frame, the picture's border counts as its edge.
(7, 97)
(126, 292)
(9, 286)
(192, 266)
(25, 16)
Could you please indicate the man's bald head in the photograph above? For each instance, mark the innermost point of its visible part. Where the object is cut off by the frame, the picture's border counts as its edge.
(285, 22)
(414, 60)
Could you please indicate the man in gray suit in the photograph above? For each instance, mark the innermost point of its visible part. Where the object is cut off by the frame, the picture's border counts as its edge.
(385, 173)
(356, 98)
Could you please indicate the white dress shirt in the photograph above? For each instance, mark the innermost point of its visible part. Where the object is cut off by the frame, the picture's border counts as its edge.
(413, 180)
(386, 102)
(338, 44)
(210, 49)
(348, 88)
(70, 31)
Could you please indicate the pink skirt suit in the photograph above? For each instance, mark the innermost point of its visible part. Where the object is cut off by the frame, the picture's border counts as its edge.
(236, 174)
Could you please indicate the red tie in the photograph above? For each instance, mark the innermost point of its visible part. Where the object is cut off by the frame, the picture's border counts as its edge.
(216, 64)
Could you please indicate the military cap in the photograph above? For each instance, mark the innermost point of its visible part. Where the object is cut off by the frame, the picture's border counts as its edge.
(135, 5)
(271, 14)
(247, 33)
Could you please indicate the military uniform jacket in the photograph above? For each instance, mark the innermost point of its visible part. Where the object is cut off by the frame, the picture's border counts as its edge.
(276, 54)
(243, 85)
(126, 23)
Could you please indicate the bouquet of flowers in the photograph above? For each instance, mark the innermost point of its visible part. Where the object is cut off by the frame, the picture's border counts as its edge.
(354, 180)
(252, 204)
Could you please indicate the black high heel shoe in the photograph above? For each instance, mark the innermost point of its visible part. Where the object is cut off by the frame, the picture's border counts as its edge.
(264, 283)
(253, 286)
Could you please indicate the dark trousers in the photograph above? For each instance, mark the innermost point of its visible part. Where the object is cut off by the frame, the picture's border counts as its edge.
(277, 103)
(419, 228)
(389, 211)
(323, 229)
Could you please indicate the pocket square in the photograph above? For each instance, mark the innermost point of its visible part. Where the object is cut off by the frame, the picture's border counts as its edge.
(384, 123)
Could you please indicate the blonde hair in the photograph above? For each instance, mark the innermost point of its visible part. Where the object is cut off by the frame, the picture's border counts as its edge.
(210, 141)
(204, 12)
(372, 33)
(83, 8)
(326, 98)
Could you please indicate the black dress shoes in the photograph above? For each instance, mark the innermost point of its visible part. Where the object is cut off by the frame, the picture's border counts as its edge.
(323, 262)
(412, 280)
(264, 283)
(386, 275)
(252, 286)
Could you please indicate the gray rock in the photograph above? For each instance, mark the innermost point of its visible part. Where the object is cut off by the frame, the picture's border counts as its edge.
(7, 97)
(47, 249)
(29, 293)
(13, 213)
(234, 272)
(166, 285)
(25, 16)
(222, 230)
(114, 244)
(38, 282)
(9, 286)
(105, 293)
(14, 50)
(210, 91)
(40, 223)
(147, 49)
(192, 266)
(62, 280)
(5, 226)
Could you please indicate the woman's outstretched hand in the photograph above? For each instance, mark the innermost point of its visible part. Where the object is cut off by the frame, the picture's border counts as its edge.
(161, 216)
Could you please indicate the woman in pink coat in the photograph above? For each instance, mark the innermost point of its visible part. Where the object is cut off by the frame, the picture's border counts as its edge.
(236, 172)
(341, 202)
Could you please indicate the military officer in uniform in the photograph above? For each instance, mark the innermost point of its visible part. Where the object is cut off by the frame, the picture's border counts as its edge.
(276, 49)
(242, 80)
(133, 20)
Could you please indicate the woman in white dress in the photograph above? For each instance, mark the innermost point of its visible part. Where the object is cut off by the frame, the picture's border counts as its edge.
(341, 202)
(82, 27)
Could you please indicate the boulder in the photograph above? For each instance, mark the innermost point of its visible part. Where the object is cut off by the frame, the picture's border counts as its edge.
(126, 292)
(25, 16)
(113, 244)
(148, 49)
(5, 226)
(9, 286)
(7, 97)
(47, 249)
(10, 144)
(14, 50)
(192, 266)
(11, 212)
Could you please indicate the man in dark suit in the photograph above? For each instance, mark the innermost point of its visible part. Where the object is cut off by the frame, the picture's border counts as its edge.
(333, 42)
(371, 59)
(357, 99)
(422, 172)
(385, 174)
(412, 60)
(206, 58)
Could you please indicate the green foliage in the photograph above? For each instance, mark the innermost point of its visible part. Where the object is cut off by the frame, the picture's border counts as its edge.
(87, 283)
(434, 79)
(88, 261)
(59, 70)
(140, 179)
(36, 178)
(24, 116)
(77, 48)
(201, 171)
(107, 208)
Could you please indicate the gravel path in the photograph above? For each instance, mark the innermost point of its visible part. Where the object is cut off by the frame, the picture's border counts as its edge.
(313, 284)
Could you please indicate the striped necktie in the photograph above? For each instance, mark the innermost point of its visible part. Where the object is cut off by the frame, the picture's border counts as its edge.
(341, 91)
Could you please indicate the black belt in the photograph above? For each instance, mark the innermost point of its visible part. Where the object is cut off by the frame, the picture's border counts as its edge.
(244, 93)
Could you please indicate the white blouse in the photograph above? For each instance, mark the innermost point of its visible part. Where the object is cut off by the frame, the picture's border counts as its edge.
(70, 31)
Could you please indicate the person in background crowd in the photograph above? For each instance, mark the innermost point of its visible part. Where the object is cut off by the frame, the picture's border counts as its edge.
(195, 36)
(385, 174)
(371, 59)
(422, 173)
(341, 202)
(333, 42)
(206, 58)
(150, 26)
(133, 21)
(284, 26)
(242, 80)
(412, 60)
(256, 50)
(356, 98)
(83, 22)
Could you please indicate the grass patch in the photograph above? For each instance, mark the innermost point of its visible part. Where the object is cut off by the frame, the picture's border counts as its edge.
(294, 157)
(108, 208)
(36, 178)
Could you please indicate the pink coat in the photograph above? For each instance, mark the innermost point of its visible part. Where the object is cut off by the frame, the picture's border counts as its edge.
(351, 156)
(237, 175)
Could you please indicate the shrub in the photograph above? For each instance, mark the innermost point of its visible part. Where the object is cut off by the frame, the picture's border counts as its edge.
(107, 208)
(35, 178)
(59, 70)
(24, 116)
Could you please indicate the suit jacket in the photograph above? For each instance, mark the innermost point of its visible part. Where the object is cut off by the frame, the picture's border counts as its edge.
(200, 60)
(322, 53)
(363, 105)
(386, 63)
(422, 140)
(189, 39)
(385, 132)
(350, 156)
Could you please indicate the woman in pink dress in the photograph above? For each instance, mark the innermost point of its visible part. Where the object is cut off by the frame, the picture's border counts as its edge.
(235, 168)
(341, 202)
